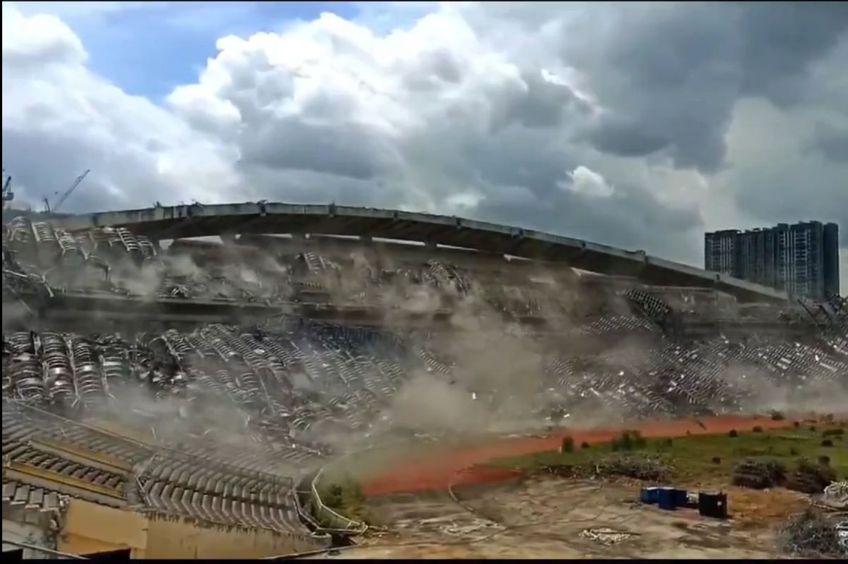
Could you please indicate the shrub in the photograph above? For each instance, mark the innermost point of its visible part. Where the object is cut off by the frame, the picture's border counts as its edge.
(813, 428)
(793, 451)
(629, 440)
(333, 496)
(827, 443)
(776, 470)
(758, 429)
(733, 433)
(759, 475)
(833, 433)
(796, 424)
(716, 460)
(810, 478)
(777, 415)
(632, 467)
(824, 460)
(584, 444)
(567, 445)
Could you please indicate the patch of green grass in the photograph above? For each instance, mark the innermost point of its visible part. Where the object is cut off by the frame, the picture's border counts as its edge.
(700, 457)
(346, 498)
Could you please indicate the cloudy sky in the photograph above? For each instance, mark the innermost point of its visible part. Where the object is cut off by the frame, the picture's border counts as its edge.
(636, 125)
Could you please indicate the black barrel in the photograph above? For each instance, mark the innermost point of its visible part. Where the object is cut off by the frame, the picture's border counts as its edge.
(712, 504)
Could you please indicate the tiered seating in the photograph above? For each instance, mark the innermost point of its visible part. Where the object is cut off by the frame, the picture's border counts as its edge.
(649, 305)
(22, 454)
(37, 498)
(617, 324)
(232, 485)
(21, 423)
(208, 490)
(286, 382)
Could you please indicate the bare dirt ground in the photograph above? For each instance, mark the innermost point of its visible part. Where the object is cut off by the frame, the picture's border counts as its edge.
(429, 472)
(446, 503)
(556, 518)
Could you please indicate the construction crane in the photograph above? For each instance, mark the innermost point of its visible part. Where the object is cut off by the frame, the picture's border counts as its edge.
(66, 194)
(8, 195)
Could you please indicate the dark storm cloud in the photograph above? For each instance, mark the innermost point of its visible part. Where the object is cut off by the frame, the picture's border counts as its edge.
(591, 120)
(345, 150)
(28, 151)
(779, 40)
(628, 219)
(544, 103)
(832, 142)
(626, 138)
(521, 157)
(310, 187)
(671, 74)
(778, 174)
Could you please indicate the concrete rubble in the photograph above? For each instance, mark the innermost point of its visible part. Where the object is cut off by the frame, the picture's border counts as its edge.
(606, 535)
(836, 495)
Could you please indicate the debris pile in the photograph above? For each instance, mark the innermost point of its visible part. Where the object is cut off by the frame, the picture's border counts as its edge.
(810, 478)
(560, 470)
(631, 467)
(812, 534)
(759, 475)
(459, 530)
(836, 495)
(605, 535)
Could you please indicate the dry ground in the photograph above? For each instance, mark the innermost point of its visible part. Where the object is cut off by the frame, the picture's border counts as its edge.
(556, 518)
(511, 515)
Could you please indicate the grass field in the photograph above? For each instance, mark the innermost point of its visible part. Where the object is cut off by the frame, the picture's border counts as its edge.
(710, 458)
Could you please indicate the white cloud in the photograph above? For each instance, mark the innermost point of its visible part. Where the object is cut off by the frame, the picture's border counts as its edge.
(463, 201)
(585, 181)
(39, 39)
(59, 119)
(466, 109)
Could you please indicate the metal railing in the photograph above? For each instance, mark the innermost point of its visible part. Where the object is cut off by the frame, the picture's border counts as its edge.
(48, 551)
(328, 519)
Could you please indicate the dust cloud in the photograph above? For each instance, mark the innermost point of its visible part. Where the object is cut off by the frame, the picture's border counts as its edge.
(478, 371)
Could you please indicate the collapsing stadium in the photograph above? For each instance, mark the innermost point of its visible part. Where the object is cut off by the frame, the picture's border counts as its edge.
(192, 390)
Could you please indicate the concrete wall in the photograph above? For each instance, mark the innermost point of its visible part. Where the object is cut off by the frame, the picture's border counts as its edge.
(181, 538)
(34, 534)
(89, 527)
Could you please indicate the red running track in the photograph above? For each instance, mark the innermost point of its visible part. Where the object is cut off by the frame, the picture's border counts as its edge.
(438, 471)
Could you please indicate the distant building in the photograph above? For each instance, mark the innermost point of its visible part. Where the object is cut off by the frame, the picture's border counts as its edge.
(720, 251)
(802, 259)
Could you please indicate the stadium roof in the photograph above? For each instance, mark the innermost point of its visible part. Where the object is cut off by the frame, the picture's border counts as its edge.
(198, 220)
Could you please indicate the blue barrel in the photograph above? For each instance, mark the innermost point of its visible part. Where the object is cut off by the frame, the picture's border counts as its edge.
(681, 499)
(649, 495)
(666, 498)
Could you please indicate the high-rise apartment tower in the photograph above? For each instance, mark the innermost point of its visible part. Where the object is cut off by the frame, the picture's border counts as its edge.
(802, 259)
